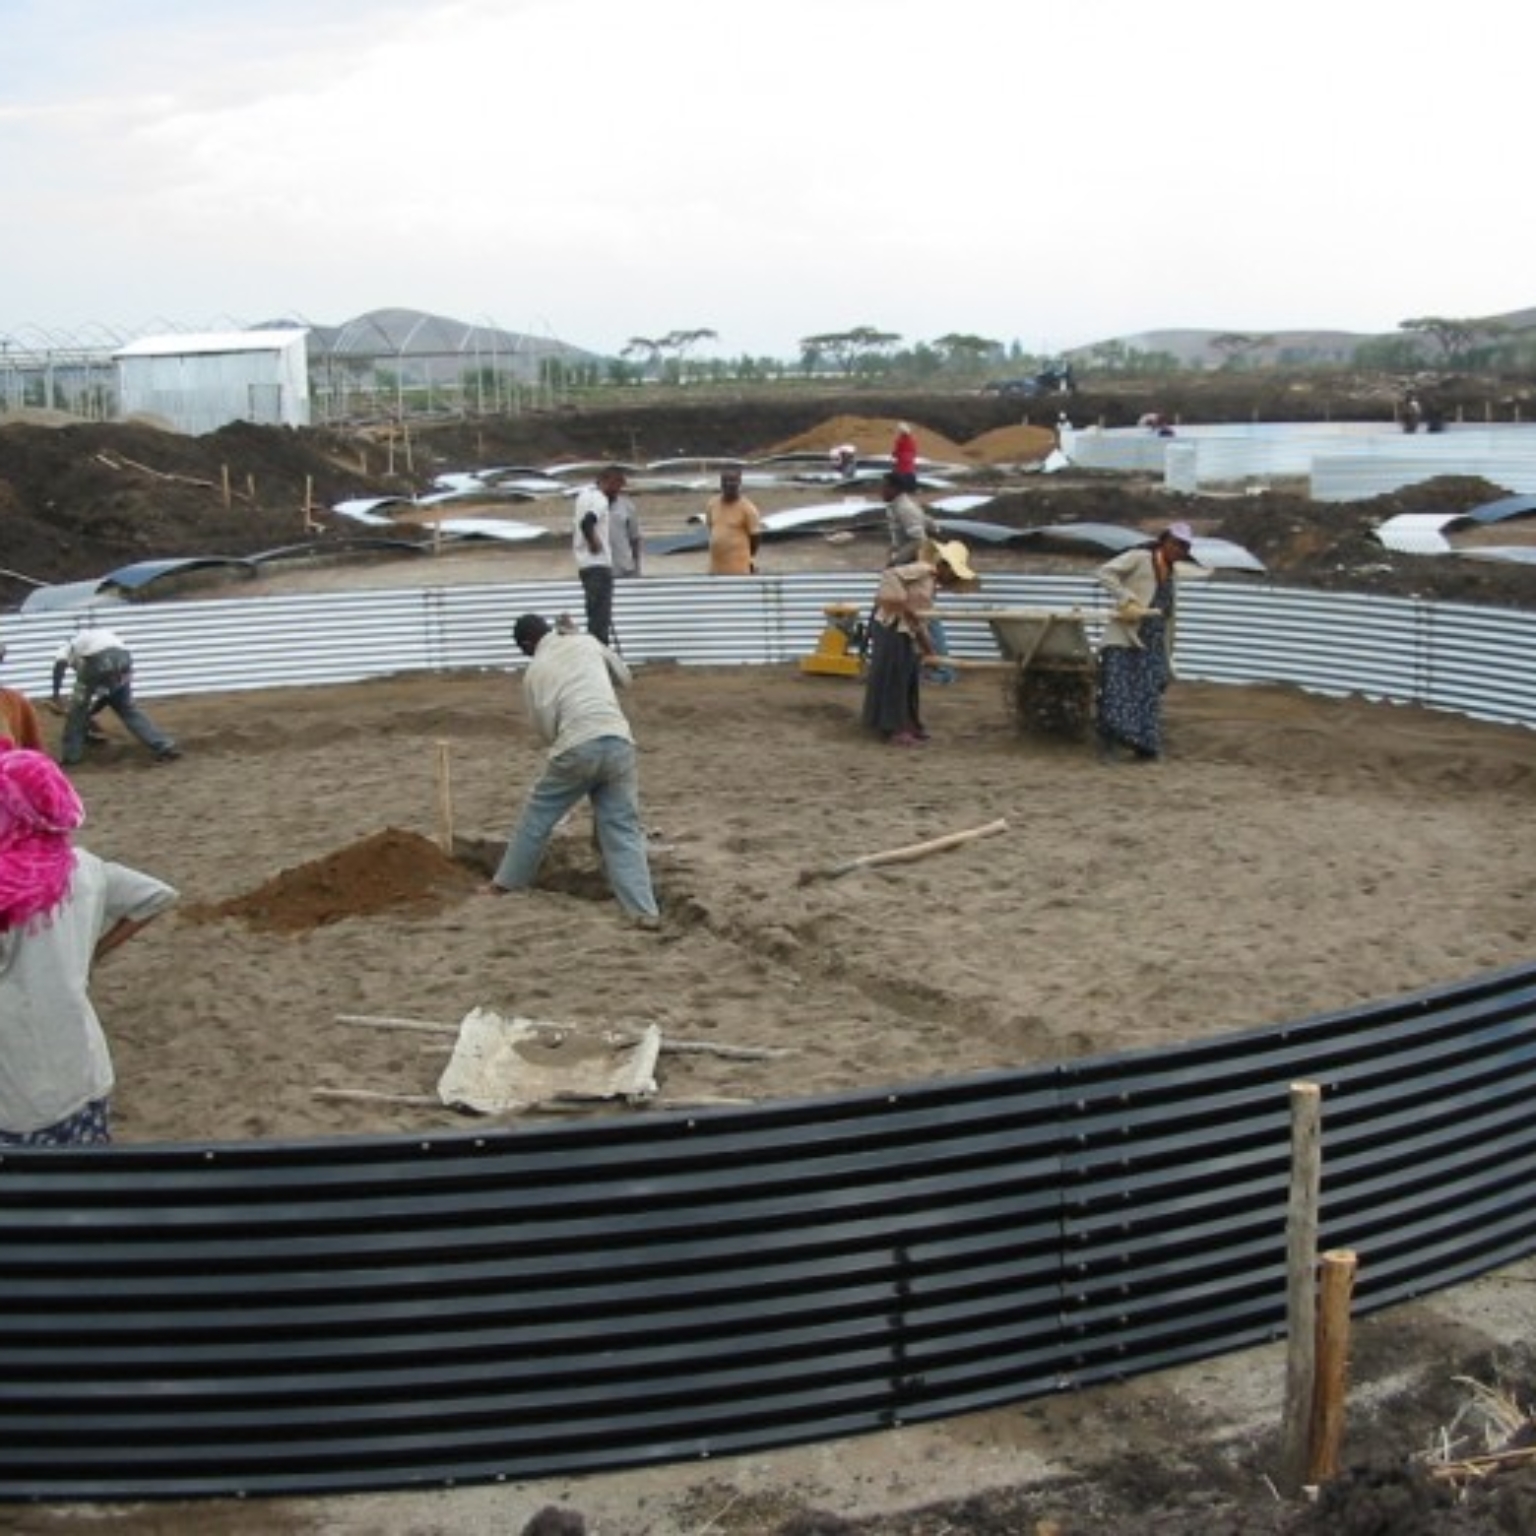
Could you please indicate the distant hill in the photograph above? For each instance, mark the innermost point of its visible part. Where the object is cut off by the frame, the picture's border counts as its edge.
(1198, 349)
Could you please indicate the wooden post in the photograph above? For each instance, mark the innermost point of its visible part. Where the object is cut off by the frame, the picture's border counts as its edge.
(1301, 1282)
(250, 487)
(444, 800)
(1326, 1436)
(410, 462)
(309, 503)
(390, 466)
(362, 461)
(228, 498)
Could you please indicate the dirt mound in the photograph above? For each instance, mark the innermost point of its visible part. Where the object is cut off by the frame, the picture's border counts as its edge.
(389, 871)
(870, 435)
(1015, 444)
(76, 501)
(1022, 444)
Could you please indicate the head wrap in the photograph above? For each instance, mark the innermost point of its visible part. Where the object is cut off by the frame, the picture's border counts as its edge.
(38, 810)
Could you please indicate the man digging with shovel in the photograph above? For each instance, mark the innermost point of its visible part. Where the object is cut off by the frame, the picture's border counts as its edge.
(569, 688)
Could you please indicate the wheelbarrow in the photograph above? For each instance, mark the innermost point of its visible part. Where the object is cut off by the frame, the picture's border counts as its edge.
(1047, 663)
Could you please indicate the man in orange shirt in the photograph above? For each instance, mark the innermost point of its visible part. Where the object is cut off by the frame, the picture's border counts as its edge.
(735, 529)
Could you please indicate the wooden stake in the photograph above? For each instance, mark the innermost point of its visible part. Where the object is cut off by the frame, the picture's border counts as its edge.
(372, 1021)
(444, 799)
(250, 487)
(371, 1096)
(228, 497)
(903, 855)
(668, 1045)
(1331, 1392)
(1301, 1282)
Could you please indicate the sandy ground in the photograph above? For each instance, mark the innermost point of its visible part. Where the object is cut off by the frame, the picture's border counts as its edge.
(1290, 855)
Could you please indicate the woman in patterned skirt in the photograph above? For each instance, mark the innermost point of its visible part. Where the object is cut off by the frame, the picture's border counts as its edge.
(1136, 653)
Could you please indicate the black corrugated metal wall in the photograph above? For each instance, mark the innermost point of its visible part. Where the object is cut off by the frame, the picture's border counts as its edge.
(259, 1318)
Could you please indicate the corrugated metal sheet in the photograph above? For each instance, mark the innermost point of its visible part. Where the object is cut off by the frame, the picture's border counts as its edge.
(272, 1319)
(1502, 455)
(1478, 661)
(1418, 533)
(1346, 461)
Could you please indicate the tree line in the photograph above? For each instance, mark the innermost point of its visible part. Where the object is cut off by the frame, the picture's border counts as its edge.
(867, 354)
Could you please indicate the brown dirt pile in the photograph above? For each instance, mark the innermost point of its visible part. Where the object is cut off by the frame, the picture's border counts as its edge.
(389, 871)
(1014, 444)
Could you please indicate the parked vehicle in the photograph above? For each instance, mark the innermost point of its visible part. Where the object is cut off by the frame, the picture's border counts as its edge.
(1054, 380)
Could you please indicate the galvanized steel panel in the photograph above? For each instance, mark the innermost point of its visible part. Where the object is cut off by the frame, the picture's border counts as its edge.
(1478, 661)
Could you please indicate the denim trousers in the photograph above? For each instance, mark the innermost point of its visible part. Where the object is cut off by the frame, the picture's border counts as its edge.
(605, 772)
(113, 691)
(597, 591)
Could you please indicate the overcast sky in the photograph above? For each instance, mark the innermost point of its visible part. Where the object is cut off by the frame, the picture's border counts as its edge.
(599, 170)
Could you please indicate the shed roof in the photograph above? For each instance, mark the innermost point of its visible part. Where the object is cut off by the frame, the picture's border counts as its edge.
(207, 343)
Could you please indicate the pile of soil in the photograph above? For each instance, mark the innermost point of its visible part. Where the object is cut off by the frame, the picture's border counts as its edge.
(390, 871)
(873, 435)
(77, 501)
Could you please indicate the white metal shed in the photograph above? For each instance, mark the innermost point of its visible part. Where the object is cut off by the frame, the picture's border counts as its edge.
(198, 382)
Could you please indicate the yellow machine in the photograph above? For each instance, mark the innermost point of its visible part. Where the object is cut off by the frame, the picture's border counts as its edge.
(840, 650)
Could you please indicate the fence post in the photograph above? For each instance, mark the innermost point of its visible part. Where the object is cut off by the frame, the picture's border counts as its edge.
(1326, 1435)
(1301, 1282)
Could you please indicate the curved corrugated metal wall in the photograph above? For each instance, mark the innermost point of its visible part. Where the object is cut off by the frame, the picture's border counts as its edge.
(261, 1318)
(1479, 661)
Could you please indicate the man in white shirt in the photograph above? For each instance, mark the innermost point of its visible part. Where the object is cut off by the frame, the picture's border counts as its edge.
(605, 539)
(569, 689)
(103, 671)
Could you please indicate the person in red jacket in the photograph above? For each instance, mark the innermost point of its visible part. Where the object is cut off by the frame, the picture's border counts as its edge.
(904, 450)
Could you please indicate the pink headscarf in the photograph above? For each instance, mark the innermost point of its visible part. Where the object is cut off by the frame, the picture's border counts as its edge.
(38, 810)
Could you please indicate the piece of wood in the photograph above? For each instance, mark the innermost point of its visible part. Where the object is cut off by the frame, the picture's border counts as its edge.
(444, 799)
(1301, 1283)
(122, 461)
(372, 1096)
(905, 854)
(668, 1044)
(728, 1052)
(371, 1021)
(1331, 1390)
(969, 664)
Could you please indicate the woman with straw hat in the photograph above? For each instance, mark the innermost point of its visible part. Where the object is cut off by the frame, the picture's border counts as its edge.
(900, 639)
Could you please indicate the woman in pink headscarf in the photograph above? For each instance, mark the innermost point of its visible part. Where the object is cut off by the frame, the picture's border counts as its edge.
(61, 909)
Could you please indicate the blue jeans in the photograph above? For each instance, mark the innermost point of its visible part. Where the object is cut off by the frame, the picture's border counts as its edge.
(106, 681)
(603, 771)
